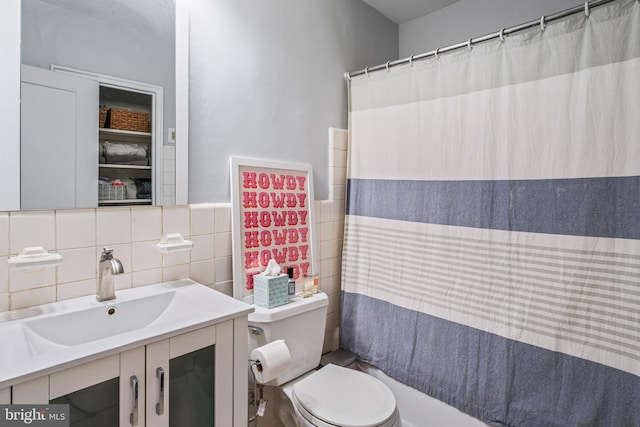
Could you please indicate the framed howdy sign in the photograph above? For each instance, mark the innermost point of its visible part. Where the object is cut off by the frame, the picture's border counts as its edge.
(272, 218)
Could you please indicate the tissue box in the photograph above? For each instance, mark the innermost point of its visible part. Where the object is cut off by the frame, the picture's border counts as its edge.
(270, 291)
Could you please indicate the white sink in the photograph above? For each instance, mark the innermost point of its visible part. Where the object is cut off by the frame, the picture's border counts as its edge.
(43, 339)
(113, 318)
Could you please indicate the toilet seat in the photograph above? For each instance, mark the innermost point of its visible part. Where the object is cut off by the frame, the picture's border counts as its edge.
(337, 396)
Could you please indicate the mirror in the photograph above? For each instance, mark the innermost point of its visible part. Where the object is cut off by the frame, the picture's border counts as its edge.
(123, 45)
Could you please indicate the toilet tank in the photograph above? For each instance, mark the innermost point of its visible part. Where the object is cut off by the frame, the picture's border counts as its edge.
(301, 324)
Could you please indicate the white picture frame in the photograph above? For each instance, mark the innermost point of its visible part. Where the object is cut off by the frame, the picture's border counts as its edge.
(272, 217)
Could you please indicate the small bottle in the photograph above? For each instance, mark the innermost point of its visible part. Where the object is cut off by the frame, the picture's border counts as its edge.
(291, 283)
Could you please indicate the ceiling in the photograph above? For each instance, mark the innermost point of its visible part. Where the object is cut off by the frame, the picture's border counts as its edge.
(401, 11)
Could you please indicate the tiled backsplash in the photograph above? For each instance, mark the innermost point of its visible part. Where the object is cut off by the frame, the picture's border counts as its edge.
(132, 232)
(169, 175)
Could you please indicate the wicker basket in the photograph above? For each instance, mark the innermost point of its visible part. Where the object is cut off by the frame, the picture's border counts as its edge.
(102, 117)
(118, 118)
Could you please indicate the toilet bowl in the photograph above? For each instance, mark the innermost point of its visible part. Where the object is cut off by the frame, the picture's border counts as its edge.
(336, 396)
(332, 396)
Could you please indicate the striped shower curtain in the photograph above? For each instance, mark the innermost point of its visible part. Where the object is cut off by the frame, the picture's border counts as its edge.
(492, 240)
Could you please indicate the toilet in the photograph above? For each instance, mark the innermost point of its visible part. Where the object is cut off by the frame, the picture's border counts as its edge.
(331, 396)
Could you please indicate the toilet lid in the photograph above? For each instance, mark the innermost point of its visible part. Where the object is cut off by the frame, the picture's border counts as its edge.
(345, 397)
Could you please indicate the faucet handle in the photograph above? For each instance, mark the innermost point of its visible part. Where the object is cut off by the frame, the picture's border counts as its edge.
(107, 253)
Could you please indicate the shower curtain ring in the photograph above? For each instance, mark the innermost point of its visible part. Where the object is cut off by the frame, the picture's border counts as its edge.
(387, 66)
(543, 24)
(502, 35)
(366, 71)
(347, 76)
(587, 11)
(469, 44)
(411, 60)
(437, 54)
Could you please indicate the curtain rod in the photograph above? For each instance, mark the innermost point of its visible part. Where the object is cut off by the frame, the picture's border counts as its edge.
(542, 22)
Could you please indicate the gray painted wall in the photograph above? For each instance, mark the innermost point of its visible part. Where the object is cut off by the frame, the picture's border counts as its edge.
(132, 40)
(266, 81)
(471, 18)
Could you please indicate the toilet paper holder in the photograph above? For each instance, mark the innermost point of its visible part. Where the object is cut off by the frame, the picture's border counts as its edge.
(255, 330)
(256, 401)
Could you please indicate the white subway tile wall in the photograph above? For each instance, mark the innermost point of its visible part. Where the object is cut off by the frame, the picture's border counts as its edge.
(113, 226)
(132, 232)
(33, 297)
(4, 275)
(169, 175)
(176, 219)
(203, 247)
(75, 289)
(35, 228)
(4, 302)
(203, 219)
(330, 229)
(4, 234)
(22, 280)
(146, 277)
(145, 256)
(146, 224)
(75, 229)
(80, 264)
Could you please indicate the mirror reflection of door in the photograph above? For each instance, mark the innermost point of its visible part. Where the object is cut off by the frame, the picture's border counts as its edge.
(132, 40)
(59, 148)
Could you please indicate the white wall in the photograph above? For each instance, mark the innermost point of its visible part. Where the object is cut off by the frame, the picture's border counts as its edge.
(267, 82)
(129, 40)
(10, 105)
(472, 18)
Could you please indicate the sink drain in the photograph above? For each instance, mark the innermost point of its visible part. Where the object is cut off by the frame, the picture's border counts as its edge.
(111, 311)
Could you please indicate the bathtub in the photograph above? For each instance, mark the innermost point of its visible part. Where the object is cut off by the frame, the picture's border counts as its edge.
(419, 410)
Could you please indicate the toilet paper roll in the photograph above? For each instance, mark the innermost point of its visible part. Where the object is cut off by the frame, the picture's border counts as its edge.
(272, 360)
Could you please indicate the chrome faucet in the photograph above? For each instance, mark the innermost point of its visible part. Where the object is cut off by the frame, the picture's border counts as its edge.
(108, 268)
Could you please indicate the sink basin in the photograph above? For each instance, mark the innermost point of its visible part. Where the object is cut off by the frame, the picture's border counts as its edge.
(16, 334)
(42, 339)
(83, 326)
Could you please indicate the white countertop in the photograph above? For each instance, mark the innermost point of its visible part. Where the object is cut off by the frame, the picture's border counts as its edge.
(25, 353)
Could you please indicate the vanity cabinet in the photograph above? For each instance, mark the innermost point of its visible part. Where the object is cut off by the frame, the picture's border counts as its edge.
(184, 380)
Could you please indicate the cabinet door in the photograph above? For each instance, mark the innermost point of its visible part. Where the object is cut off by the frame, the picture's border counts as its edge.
(99, 393)
(59, 140)
(132, 387)
(181, 380)
(91, 390)
(5, 396)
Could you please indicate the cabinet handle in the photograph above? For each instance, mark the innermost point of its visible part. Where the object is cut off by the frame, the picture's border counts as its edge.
(160, 404)
(133, 417)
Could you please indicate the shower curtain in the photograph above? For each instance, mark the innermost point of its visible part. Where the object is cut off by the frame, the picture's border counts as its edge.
(492, 239)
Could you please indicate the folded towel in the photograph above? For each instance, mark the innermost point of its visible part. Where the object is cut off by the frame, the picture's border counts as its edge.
(143, 162)
(118, 153)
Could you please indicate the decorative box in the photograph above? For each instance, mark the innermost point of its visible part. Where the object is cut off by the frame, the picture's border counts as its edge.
(270, 291)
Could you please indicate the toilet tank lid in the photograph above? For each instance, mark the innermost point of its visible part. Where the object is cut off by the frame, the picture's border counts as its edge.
(295, 306)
